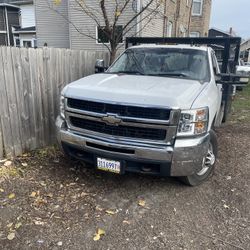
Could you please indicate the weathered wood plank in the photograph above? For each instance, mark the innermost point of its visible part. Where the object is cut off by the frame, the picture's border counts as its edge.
(4, 113)
(12, 100)
(1, 140)
(16, 62)
(28, 110)
(30, 85)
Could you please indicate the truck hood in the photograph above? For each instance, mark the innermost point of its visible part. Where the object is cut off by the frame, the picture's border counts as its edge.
(136, 90)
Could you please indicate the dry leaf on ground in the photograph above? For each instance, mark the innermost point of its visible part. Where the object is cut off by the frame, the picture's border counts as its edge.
(11, 236)
(8, 163)
(110, 212)
(100, 232)
(11, 196)
(18, 225)
(33, 194)
(126, 222)
(142, 203)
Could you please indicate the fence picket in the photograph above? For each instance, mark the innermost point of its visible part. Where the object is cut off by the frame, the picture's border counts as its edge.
(31, 81)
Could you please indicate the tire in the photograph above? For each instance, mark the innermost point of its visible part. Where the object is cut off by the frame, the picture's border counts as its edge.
(201, 176)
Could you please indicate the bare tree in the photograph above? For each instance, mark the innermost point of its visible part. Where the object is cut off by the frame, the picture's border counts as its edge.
(109, 15)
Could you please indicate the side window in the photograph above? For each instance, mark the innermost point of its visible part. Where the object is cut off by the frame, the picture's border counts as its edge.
(215, 65)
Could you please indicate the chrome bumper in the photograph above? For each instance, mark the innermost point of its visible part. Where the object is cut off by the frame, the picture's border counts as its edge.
(185, 157)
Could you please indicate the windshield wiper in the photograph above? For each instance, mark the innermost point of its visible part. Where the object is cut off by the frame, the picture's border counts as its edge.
(173, 74)
(128, 72)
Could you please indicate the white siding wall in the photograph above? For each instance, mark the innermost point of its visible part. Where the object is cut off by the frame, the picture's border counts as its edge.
(51, 27)
(152, 26)
(86, 25)
(27, 15)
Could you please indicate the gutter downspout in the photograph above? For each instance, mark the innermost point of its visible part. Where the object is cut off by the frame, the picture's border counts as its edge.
(7, 25)
(165, 19)
(190, 18)
(138, 26)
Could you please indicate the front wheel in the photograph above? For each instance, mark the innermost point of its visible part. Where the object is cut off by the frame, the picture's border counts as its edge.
(207, 165)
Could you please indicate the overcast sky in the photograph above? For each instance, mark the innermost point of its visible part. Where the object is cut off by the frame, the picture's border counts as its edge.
(232, 13)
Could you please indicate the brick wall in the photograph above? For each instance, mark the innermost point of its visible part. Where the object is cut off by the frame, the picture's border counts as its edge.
(201, 23)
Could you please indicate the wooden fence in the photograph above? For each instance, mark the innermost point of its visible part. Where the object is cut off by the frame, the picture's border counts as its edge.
(30, 85)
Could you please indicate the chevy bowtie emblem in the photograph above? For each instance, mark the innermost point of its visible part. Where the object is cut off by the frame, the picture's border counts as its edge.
(111, 120)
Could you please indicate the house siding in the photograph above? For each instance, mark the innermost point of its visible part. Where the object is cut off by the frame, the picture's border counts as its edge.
(27, 15)
(154, 24)
(51, 27)
(87, 25)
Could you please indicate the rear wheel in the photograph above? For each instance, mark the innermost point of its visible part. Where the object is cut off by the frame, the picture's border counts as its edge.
(207, 165)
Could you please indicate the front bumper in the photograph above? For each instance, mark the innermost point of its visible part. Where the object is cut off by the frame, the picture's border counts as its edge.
(183, 158)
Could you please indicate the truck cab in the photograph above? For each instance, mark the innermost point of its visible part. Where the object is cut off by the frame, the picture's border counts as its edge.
(153, 111)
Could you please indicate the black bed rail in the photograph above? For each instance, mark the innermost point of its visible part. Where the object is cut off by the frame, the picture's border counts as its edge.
(227, 44)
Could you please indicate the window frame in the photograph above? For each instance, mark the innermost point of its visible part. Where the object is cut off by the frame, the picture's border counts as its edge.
(195, 32)
(108, 43)
(168, 25)
(201, 8)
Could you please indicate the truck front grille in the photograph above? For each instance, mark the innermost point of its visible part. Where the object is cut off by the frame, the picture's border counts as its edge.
(121, 130)
(121, 110)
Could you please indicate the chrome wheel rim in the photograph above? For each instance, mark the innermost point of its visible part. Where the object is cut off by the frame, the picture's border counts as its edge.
(208, 161)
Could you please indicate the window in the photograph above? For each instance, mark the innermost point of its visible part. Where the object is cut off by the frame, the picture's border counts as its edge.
(197, 7)
(169, 29)
(103, 38)
(168, 62)
(187, 3)
(194, 34)
(16, 41)
(27, 44)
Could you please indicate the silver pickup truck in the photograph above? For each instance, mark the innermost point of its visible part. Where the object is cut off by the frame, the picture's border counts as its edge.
(153, 111)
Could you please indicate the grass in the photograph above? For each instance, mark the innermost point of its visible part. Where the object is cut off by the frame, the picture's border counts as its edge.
(241, 105)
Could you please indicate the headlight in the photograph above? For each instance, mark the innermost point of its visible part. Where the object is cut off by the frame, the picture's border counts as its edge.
(62, 107)
(193, 122)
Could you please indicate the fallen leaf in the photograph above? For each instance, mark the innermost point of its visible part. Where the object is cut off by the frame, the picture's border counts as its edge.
(99, 208)
(110, 212)
(42, 183)
(33, 194)
(50, 195)
(24, 164)
(59, 243)
(228, 178)
(97, 236)
(40, 202)
(126, 222)
(10, 225)
(11, 236)
(2, 161)
(142, 203)
(12, 196)
(18, 225)
(226, 206)
(39, 223)
(84, 194)
(8, 163)
(1, 190)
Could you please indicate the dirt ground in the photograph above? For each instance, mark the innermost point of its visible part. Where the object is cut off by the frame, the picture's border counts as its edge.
(49, 202)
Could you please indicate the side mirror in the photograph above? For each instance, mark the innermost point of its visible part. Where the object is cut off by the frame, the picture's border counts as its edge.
(99, 66)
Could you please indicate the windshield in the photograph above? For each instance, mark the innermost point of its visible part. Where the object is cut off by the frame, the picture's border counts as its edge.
(170, 62)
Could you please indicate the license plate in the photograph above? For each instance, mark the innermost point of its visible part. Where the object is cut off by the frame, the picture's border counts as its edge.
(109, 165)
